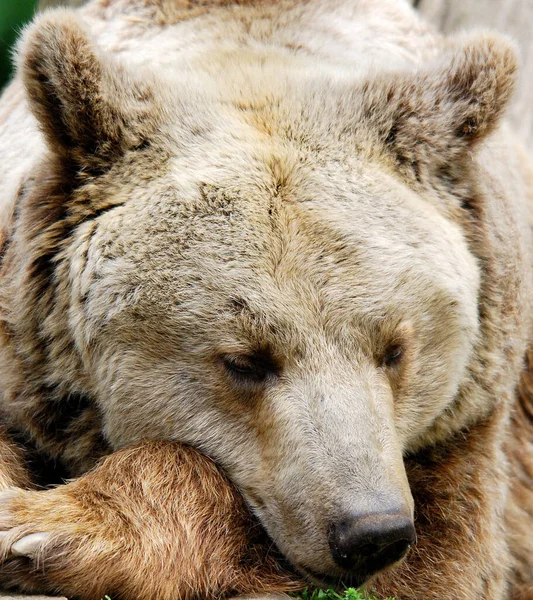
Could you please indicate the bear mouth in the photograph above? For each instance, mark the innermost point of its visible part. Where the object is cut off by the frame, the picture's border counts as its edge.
(336, 582)
(366, 570)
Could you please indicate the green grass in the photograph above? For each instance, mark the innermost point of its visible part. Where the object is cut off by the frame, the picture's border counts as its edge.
(348, 594)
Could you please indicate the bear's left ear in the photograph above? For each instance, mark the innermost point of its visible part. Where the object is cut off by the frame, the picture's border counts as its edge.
(434, 116)
(90, 109)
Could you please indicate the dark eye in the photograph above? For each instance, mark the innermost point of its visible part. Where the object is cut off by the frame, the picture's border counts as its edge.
(393, 356)
(248, 368)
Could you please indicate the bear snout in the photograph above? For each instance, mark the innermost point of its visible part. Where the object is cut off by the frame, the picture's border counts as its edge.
(366, 544)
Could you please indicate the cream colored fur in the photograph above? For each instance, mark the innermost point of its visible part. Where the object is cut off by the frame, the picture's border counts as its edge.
(311, 184)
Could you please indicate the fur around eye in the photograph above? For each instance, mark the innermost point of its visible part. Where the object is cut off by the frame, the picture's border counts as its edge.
(392, 356)
(247, 369)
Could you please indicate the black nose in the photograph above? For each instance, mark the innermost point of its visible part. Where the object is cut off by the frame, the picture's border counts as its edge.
(371, 541)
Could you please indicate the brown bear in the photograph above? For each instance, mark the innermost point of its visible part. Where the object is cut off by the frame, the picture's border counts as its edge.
(294, 236)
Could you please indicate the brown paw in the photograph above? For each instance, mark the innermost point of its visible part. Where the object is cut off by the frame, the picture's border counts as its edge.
(37, 536)
(18, 537)
(159, 508)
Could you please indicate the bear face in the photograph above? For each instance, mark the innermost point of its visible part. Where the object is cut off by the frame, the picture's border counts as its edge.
(293, 329)
(280, 280)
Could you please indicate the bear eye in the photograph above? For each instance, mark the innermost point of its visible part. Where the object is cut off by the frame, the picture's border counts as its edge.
(248, 368)
(393, 356)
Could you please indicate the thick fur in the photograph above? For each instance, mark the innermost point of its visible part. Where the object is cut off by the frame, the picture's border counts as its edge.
(295, 236)
(158, 508)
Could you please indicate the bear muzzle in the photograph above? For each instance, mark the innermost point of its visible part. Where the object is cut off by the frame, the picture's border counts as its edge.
(362, 545)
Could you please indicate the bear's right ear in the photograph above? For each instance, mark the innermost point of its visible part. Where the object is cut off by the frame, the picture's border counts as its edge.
(431, 120)
(89, 109)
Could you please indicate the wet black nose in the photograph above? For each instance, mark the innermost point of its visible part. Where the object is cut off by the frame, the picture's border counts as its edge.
(372, 540)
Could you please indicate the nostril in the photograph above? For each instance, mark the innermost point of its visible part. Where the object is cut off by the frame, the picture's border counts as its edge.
(397, 550)
(380, 539)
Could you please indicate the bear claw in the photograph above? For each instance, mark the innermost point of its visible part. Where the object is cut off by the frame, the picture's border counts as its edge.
(30, 545)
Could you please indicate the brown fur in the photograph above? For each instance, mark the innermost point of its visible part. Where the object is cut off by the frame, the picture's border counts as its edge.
(110, 528)
(91, 348)
(519, 449)
(156, 521)
(12, 472)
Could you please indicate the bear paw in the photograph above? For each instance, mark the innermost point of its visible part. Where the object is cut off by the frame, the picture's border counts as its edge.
(37, 540)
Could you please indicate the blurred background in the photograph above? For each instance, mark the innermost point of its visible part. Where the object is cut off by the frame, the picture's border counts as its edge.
(13, 14)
